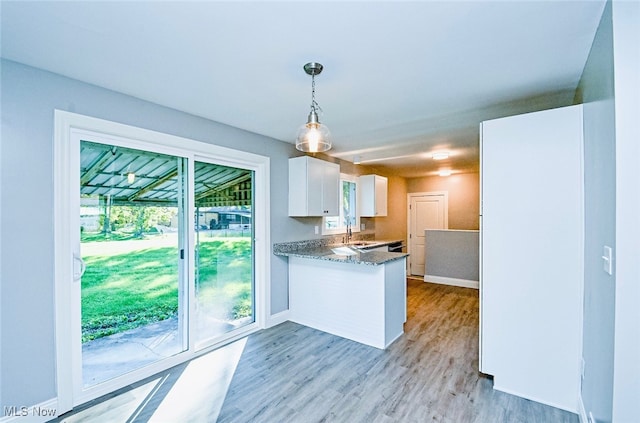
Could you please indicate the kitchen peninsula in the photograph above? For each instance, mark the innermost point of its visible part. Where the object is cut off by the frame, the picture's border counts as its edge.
(358, 293)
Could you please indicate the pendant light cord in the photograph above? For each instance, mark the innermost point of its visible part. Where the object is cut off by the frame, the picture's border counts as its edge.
(314, 104)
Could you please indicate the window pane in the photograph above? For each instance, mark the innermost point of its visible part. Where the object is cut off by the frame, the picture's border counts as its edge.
(130, 207)
(348, 211)
(225, 293)
(332, 222)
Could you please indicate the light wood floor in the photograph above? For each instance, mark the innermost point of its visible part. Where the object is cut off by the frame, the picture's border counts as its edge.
(291, 373)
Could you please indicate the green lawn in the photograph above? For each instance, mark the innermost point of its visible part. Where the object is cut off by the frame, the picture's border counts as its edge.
(140, 286)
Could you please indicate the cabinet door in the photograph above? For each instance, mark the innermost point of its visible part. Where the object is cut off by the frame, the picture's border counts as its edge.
(372, 195)
(298, 187)
(316, 174)
(381, 196)
(331, 190)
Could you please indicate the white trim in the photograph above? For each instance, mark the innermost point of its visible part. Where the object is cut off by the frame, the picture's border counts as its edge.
(278, 318)
(541, 401)
(34, 413)
(443, 280)
(582, 411)
(68, 125)
(63, 266)
(410, 196)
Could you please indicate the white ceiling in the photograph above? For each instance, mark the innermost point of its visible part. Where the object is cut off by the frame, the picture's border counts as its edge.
(400, 79)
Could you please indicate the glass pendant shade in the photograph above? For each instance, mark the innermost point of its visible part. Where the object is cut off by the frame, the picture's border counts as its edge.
(313, 137)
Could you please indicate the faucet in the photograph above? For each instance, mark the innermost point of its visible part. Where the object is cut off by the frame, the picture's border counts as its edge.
(349, 233)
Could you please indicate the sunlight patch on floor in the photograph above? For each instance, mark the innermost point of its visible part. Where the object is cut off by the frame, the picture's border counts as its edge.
(200, 391)
(119, 407)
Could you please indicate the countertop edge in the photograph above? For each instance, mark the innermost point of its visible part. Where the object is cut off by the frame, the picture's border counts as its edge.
(373, 258)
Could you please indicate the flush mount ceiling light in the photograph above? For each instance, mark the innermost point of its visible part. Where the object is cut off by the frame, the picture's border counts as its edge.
(313, 136)
(445, 172)
(442, 155)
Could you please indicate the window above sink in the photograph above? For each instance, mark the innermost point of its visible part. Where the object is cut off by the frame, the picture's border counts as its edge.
(349, 213)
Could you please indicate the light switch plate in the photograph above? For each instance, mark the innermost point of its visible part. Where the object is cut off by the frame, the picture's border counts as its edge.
(607, 260)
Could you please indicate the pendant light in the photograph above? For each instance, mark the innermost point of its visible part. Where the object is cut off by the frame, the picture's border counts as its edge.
(313, 137)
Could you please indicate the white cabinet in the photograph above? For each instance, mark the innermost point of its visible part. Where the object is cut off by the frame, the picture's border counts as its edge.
(372, 195)
(313, 187)
(531, 270)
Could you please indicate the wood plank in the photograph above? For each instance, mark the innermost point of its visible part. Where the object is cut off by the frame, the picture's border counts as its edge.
(292, 373)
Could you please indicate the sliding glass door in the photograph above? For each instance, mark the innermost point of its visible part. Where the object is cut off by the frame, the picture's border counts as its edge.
(163, 257)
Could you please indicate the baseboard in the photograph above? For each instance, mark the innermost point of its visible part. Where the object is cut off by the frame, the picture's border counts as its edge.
(532, 398)
(38, 413)
(276, 319)
(465, 283)
(582, 412)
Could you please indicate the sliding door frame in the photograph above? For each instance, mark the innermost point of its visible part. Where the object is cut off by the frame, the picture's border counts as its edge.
(66, 206)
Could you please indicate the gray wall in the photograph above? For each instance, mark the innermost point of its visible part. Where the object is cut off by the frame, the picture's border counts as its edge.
(29, 96)
(452, 254)
(596, 90)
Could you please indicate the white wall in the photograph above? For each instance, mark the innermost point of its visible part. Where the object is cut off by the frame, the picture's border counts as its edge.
(596, 91)
(610, 88)
(29, 97)
(626, 48)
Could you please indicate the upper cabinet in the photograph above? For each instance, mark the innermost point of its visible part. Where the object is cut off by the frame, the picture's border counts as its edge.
(313, 187)
(373, 195)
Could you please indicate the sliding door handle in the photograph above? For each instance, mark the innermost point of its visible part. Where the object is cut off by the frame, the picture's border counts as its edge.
(79, 267)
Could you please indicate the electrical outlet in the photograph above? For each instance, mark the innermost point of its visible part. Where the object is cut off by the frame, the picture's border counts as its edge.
(362, 226)
(317, 230)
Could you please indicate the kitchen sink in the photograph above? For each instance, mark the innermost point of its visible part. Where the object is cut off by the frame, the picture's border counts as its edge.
(344, 251)
(362, 243)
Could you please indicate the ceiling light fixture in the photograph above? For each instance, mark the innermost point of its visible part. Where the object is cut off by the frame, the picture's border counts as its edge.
(441, 155)
(313, 136)
(445, 172)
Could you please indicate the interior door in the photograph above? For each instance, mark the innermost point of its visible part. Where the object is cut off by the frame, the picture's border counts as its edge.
(426, 211)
